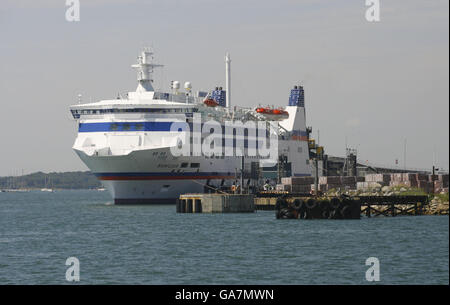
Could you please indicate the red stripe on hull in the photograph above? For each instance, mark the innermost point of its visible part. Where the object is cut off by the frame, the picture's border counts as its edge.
(116, 178)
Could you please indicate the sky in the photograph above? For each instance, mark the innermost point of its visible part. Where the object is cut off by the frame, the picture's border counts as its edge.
(371, 86)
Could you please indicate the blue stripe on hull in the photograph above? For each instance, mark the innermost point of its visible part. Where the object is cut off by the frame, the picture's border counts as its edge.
(164, 176)
(143, 126)
(124, 126)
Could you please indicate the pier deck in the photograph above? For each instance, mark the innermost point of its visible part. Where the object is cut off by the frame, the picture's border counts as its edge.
(215, 203)
(329, 207)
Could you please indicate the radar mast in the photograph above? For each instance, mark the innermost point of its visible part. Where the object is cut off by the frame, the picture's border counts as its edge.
(144, 69)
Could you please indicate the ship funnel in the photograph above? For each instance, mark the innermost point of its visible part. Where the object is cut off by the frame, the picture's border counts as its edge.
(297, 97)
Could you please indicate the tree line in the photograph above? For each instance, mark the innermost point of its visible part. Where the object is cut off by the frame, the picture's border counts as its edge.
(39, 180)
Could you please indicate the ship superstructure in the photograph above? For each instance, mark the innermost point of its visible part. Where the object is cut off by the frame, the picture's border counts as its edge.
(128, 142)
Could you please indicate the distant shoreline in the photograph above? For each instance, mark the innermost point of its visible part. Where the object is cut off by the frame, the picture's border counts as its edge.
(52, 190)
(78, 180)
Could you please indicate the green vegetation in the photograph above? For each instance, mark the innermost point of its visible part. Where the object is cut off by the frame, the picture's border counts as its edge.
(39, 180)
(442, 197)
(410, 191)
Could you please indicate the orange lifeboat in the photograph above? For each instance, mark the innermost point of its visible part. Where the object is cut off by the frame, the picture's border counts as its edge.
(279, 111)
(273, 114)
(262, 110)
(210, 103)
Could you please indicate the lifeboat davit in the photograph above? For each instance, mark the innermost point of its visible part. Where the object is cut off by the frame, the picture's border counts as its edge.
(273, 114)
(210, 103)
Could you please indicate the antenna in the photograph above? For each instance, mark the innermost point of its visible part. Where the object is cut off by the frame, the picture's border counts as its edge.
(434, 155)
(404, 154)
(228, 80)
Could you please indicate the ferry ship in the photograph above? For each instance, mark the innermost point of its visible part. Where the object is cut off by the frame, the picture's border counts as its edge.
(128, 142)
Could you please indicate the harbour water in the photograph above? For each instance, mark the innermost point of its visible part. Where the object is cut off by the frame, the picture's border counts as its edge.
(155, 245)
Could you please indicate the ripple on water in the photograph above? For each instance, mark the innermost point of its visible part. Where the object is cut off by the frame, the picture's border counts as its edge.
(154, 245)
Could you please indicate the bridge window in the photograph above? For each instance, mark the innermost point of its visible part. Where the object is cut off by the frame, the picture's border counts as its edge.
(134, 110)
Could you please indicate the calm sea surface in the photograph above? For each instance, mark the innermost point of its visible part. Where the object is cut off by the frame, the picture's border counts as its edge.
(154, 245)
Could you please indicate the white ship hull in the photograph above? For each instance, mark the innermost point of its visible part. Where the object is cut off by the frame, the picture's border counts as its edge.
(154, 176)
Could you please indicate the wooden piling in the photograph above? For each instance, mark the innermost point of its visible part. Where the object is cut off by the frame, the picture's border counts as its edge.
(189, 206)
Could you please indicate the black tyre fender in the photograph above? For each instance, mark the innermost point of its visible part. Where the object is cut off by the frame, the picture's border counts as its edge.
(346, 211)
(335, 203)
(311, 203)
(324, 205)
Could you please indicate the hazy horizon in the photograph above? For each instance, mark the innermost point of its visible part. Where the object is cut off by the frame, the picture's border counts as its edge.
(367, 85)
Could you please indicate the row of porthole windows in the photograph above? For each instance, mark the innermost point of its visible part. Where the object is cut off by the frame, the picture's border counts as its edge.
(134, 110)
(126, 126)
(193, 165)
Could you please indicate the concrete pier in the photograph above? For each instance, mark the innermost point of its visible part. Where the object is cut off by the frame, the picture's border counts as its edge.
(215, 203)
